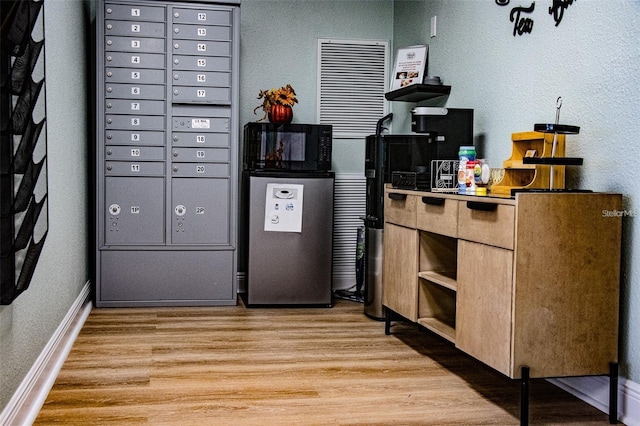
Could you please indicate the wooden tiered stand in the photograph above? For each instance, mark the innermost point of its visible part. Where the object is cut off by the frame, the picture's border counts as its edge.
(518, 175)
(537, 160)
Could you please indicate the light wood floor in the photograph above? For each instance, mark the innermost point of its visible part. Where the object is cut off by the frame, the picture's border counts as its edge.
(318, 366)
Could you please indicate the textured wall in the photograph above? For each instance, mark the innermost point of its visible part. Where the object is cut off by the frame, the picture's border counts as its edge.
(29, 322)
(278, 45)
(591, 59)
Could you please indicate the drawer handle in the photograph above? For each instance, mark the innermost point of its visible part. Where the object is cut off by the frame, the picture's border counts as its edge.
(433, 201)
(396, 196)
(485, 207)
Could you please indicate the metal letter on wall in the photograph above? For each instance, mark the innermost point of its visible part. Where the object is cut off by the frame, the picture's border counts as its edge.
(23, 150)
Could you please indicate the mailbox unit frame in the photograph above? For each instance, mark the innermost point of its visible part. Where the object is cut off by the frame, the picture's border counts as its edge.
(166, 153)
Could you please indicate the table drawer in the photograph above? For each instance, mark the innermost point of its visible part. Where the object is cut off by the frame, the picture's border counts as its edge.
(487, 223)
(438, 215)
(400, 208)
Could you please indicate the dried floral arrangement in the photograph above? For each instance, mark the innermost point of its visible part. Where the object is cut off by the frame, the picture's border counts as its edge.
(282, 96)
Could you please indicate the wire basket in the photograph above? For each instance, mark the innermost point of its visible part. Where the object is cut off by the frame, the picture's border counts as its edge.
(444, 175)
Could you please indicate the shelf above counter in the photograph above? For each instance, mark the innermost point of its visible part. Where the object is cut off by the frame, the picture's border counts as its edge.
(418, 92)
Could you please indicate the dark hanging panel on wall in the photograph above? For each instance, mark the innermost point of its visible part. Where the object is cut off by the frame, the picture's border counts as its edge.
(23, 171)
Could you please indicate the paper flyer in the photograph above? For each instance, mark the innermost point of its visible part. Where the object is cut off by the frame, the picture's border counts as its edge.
(410, 66)
(283, 208)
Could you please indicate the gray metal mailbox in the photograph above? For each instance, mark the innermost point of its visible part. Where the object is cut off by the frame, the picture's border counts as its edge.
(167, 152)
(137, 76)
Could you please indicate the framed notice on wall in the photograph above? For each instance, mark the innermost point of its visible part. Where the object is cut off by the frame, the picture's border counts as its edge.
(410, 66)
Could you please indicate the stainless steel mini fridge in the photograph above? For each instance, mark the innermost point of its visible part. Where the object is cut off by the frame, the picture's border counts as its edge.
(290, 238)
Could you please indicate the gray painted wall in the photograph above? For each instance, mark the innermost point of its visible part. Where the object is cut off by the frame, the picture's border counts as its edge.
(278, 45)
(29, 322)
(592, 60)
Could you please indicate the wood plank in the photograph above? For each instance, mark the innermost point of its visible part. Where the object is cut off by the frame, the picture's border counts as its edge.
(440, 328)
(483, 317)
(567, 284)
(446, 278)
(232, 365)
(400, 270)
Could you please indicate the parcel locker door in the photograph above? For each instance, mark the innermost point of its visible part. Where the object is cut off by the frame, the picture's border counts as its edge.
(200, 211)
(134, 210)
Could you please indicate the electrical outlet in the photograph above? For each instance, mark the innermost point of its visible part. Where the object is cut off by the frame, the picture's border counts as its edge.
(433, 26)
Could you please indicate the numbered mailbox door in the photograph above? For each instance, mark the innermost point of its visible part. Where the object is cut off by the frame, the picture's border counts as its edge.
(200, 211)
(134, 210)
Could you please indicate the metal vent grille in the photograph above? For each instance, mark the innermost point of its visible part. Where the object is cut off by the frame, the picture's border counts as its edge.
(349, 207)
(352, 79)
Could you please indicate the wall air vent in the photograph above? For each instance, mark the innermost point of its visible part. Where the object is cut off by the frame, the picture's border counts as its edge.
(352, 78)
(349, 208)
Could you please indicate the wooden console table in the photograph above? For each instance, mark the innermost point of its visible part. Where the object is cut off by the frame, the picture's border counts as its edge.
(528, 285)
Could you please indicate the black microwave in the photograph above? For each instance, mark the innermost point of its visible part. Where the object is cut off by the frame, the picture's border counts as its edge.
(287, 147)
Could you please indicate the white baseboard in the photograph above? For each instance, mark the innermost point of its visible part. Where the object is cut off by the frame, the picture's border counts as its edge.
(27, 401)
(594, 390)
